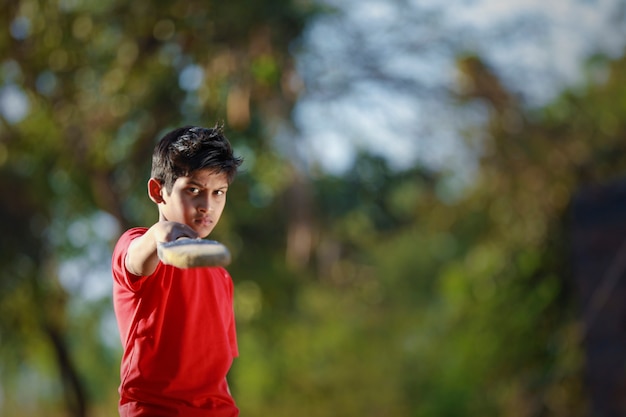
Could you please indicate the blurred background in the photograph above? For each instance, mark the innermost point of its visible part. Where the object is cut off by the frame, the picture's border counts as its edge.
(429, 220)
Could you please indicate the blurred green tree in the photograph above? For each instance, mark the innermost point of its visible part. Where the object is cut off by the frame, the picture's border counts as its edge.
(412, 304)
(370, 294)
(86, 89)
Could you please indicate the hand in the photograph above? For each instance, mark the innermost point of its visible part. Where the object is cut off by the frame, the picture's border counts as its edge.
(141, 258)
(167, 231)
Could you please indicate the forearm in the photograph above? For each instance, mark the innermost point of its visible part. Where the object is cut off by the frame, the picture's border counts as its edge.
(141, 258)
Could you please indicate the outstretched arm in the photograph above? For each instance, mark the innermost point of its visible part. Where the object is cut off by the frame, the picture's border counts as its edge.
(141, 258)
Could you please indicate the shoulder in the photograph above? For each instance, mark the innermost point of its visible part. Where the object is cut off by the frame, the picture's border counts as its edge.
(221, 271)
(120, 274)
(129, 235)
(124, 240)
(225, 277)
(134, 232)
(215, 272)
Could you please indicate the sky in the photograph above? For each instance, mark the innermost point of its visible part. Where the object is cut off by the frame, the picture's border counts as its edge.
(537, 47)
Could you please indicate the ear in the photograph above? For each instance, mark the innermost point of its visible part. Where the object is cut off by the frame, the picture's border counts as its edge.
(156, 190)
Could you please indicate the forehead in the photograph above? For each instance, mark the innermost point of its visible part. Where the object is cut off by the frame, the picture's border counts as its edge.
(205, 177)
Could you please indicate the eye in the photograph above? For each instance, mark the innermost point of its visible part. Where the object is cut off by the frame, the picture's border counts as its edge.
(193, 190)
(220, 192)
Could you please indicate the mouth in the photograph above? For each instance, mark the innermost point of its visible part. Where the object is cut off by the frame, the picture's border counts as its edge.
(203, 221)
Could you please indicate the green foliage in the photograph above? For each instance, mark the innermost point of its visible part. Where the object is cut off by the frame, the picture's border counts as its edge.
(364, 294)
(100, 82)
(423, 308)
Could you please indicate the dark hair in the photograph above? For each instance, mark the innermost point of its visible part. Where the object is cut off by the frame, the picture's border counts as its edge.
(190, 148)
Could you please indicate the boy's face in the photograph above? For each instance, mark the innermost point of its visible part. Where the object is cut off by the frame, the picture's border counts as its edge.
(197, 200)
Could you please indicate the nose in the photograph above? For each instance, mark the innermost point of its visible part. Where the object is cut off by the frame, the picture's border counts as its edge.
(205, 205)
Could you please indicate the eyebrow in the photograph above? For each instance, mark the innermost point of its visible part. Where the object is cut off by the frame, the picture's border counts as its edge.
(200, 185)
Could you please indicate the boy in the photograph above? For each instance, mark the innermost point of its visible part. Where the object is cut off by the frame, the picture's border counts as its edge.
(177, 325)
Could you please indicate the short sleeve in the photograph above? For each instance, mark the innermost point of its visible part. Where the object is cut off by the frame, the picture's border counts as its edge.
(121, 275)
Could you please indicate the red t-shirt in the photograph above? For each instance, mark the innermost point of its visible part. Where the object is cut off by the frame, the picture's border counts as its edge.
(177, 328)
